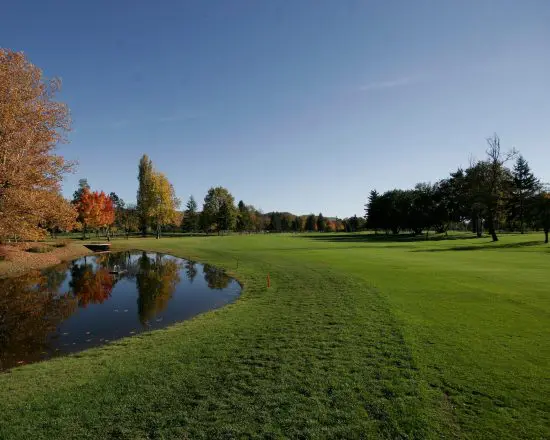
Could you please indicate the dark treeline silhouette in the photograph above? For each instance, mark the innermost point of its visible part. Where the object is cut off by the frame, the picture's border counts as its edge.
(486, 196)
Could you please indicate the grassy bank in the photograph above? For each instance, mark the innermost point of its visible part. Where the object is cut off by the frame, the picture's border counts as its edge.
(16, 259)
(357, 337)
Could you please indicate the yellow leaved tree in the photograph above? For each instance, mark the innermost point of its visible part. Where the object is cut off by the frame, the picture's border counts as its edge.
(165, 203)
(32, 123)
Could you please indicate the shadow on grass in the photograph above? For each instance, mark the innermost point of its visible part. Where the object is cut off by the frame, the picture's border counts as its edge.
(485, 246)
(382, 238)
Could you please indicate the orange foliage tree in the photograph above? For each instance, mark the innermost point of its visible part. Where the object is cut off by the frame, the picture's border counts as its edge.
(31, 125)
(96, 210)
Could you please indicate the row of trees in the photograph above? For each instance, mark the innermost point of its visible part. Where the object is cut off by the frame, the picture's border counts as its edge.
(485, 196)
(220, 214)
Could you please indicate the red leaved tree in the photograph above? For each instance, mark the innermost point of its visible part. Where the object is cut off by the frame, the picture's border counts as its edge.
(96, 211)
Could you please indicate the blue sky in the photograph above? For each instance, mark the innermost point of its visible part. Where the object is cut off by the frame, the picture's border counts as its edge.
(301, 106)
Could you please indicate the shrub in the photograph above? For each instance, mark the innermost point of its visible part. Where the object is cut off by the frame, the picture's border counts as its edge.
(39, 249)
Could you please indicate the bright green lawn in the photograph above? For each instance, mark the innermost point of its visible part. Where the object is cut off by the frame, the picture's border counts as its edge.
(356, 338)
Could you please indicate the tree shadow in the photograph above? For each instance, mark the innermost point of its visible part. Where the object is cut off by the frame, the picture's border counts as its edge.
(485, 246)
(383, 238)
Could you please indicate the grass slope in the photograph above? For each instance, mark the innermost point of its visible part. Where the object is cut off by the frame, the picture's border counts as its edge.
(358, 337)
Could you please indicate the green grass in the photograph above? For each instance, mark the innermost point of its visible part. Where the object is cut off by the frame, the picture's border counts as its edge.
(358, 337)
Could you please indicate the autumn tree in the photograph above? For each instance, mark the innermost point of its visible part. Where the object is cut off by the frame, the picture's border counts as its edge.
(164, 202)
(83, 186)
(84, 207)
(58, 214)
(96, 211)
(145, 194)
(32, 123)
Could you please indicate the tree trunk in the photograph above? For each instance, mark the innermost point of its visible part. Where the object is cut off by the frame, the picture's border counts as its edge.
(491, 225)
(479, 227)
(546, 235)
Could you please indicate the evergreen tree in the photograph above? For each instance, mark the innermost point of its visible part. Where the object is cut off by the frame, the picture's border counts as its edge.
(191, 217)
(285, 223)
(244, 217)
(119, 206)
(82, 184)
(354, 224)
(321, 223)
(371, 214)
(310, 223)
(525, 186)
(275, 224)
(296, 224)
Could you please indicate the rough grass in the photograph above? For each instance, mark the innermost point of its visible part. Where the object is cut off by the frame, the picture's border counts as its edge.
(358, 337)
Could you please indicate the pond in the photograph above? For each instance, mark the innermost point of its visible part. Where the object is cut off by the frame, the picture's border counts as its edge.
(83, 304)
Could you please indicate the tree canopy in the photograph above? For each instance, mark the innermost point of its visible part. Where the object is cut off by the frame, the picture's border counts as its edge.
(219, 212)
(32, 123)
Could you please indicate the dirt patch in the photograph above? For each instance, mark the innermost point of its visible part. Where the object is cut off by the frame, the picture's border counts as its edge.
(16, 260)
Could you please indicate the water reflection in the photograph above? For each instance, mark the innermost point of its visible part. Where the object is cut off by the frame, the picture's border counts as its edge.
(156, 282)
(91, 285)
(99, 298)
(30, 309)
(191, 270)
(216, 278)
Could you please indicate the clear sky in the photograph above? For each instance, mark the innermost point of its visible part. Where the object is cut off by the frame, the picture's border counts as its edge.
(301, 106)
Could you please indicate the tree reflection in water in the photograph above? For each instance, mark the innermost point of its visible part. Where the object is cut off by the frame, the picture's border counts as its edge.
(215, 277)
(34, 308)
(191, 270)
(31, 307)
(156, 282)
(91, 286)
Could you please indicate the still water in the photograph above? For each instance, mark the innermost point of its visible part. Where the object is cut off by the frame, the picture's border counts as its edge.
(83, 304)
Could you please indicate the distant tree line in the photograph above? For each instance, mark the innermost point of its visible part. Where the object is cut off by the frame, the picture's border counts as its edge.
(486, 196)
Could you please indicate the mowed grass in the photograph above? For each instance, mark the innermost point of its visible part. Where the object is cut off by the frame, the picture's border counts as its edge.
(357, 337)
